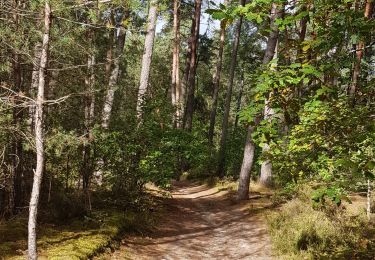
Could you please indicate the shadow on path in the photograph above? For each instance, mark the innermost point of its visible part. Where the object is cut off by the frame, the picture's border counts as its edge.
(201, 222)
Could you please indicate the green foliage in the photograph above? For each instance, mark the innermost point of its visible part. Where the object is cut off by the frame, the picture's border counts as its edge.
(330, 144)
(335, 194)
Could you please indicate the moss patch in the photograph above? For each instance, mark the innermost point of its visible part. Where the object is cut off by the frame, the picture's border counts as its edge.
(80, 239)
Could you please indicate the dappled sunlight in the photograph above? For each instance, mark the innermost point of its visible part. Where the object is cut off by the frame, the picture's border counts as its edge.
(202, 222)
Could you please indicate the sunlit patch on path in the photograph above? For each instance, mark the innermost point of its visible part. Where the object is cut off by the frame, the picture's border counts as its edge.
(202, 222)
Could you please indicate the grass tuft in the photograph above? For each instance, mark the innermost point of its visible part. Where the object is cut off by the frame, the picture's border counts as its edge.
(299, 231)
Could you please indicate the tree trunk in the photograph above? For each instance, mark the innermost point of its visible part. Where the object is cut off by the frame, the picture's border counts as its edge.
(34, 84)
(109, 57)
(248, 159)
(276, 13)
(89, 120)
(17, 154)
(189, 109)
(176, 84)
(368, 199)
(185, 81)
(17, 160)
(113, 79)
(302, 33)
(110, 96)
(217, 77)
(239, 98)
(147, 56)
(359, 55)
(228, 97)
(247, 164)
(39, 139)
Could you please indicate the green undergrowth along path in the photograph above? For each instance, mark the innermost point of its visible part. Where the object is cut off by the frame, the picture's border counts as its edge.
(79, 239)
(299, 230)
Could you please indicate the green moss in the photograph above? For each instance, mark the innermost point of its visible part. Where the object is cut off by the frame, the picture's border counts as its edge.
(78, 240)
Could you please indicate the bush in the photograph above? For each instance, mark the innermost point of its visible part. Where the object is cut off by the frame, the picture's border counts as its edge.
(64, 207)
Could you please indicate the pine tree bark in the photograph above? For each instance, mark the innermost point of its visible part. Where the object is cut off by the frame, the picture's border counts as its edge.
(39, 138)
(185, 81)
(189, 108)
(176, 83)
(217, 77)
(228, 97)
(147, 57)
(369, 8)
(276, 13)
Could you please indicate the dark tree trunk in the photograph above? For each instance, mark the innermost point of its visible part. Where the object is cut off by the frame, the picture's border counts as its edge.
(189, 109)
(369, 7)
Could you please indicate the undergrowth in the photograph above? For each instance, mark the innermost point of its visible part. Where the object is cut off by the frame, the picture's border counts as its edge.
(301, 231)
(79, 238)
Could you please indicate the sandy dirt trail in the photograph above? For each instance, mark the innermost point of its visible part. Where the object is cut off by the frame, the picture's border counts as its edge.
(200, 222)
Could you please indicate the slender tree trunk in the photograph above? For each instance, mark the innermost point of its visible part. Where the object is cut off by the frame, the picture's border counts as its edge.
(228, 97)
(17, 157)
(39, 138)
(89, 120)
(369, 7)
(147, 56)
(17, 160)
(248, 158)
(217, 77)
(176, 84)
(189, 109)
(239, 98)
(276, 13)
(368, 199)
(113, 79)
(185, 81)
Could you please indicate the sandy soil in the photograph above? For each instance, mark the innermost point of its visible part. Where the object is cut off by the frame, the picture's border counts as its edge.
(200, 222)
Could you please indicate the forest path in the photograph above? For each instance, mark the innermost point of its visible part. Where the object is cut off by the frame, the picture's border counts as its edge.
(201, 222)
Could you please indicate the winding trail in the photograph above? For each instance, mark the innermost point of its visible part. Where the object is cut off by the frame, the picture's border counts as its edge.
(200, 222)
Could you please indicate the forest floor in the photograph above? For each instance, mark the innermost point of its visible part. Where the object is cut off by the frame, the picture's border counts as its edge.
(203, 222)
